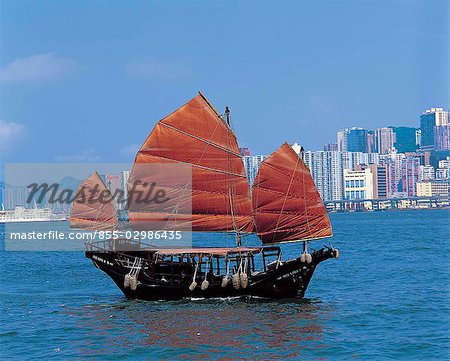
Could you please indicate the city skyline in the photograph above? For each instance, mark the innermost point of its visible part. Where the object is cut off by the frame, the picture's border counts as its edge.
(93, 99)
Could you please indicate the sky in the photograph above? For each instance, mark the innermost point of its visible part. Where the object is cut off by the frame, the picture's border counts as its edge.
(85, 81)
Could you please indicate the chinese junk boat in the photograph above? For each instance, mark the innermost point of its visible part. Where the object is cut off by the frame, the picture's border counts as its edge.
(283, 206)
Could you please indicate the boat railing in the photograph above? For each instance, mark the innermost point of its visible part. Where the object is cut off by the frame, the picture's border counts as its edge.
(117, 245)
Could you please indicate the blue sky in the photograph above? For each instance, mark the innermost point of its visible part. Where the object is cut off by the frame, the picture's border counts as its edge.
(86, 81)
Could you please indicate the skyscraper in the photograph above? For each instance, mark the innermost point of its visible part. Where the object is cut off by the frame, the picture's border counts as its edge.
(330, 147)
(410, 175)
(327, 171)
(379, 180)
(393, 162)
(251, 164)
(342, 140)
(442, 137)
(428, 120)
(405, 139)
(384, 140)
(371, 146)
(357, 140)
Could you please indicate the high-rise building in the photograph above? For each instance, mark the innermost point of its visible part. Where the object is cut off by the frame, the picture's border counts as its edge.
(357, 140)
(384, 140)
(371, 144)
(442, 137)
(433, 188)
(380, 182)
(428, 120)
(379, 179)
(426, 172)
(251, 164)
(114, 184)
(326, 170)
(358, 184)
(330, 147)
(410, 175)
(406, 139)
(342, 140)
(124, 175)
(393, 162)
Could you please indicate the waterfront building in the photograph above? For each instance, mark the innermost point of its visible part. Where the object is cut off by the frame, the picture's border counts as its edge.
(379, 179)
(410, 175)
(426, 172)
(428, 121)
(406, 139)
(358, 184)
(384, 140)
(433, 188)
(342, 139)
(251, 164)
(442, 137)
(357, 140)
(326, 170)
(16, 197)
(393, 162)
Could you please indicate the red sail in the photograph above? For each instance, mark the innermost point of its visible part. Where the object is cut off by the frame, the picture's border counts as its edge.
(197, 137)
(93, 207)
(286, 203)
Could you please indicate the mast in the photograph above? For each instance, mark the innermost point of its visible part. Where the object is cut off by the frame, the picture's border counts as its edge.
(227, 118)
(227, 115)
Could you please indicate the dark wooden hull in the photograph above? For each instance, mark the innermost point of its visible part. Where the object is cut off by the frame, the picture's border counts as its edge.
(289, 280)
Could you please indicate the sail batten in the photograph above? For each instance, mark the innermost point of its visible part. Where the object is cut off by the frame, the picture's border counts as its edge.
(197, 166)
(287, 206)
(200, 139)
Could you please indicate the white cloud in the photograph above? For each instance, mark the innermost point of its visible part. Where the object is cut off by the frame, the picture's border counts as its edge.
(87, 156)
(166, 70)
(35, 68)
(9, 133)
(130, 150)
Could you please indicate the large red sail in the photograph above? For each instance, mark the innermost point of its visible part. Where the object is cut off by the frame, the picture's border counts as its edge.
(93, 207)
(286, 203)
(197, 137)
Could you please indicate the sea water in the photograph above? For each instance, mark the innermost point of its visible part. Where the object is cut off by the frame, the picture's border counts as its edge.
(386, 297)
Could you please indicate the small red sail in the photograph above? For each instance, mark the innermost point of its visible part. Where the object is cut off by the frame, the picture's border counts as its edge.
(286, 203)
(93, 207)
(197, 137)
